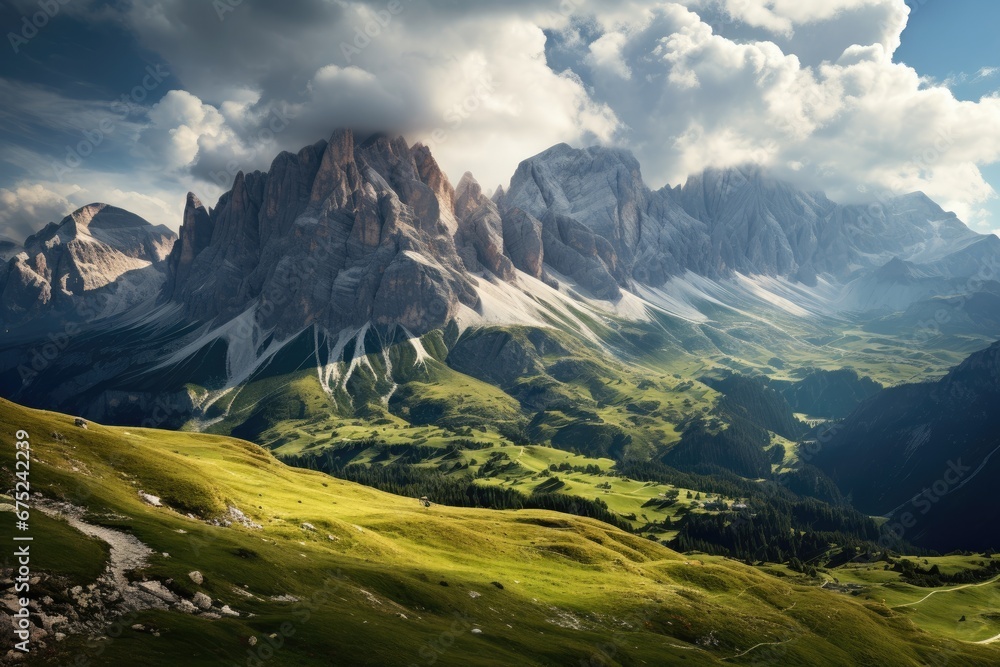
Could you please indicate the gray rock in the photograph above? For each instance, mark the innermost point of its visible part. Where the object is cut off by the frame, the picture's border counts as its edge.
(479, 239)
(522, 235)
(98, 261)
(338, 235)
(202, 601)
(195, 236)
(722, 221)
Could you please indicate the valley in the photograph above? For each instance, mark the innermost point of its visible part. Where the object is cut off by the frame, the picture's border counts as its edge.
(577, 420)
(318, 569)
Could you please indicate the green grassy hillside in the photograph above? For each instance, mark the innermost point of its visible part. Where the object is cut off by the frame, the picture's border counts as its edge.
(343, 574)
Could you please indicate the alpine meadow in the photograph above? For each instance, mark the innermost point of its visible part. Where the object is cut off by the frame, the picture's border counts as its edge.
(709, 378)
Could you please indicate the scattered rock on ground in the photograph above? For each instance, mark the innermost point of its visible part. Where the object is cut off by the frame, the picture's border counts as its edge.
(150, 499)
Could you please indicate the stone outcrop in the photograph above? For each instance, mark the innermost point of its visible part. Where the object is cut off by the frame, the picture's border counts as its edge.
(339, 235)
(480, 235)
(522, 235)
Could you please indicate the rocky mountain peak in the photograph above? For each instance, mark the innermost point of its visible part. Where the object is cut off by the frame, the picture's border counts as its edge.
(105, 216)
(341, 234)
(433, 177)
(468, 195)
(195, 236)
(498, 195)
(348, 232)
(98, 260)
(480, 235)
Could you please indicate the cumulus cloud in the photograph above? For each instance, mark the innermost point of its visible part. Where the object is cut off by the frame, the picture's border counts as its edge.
(853, 126)
(26, 206)
(23, 207)
(178, 125)
(809, 90)
(478, 91)
(606, 53)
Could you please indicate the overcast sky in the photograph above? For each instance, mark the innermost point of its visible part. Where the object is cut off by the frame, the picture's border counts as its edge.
(136, 102)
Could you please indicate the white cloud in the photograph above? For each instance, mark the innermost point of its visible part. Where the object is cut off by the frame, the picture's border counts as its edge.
(808, 89)
(28, 206)
(697, 99)
(606, 53)
(480, 94)
(178, 125)
(783, 18)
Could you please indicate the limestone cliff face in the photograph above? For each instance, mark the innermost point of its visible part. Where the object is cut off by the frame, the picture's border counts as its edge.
(601, 225)
(723, 221)
(98, 261)
(480, 234)
(340, 234)
(522, 236)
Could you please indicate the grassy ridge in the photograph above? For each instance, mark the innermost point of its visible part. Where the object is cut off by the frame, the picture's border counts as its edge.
(573, 589)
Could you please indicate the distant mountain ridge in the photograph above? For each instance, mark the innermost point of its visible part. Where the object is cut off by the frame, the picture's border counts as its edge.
(398, 244)
(931, 455)
(740, 220)
(99, 260)
(350, 247)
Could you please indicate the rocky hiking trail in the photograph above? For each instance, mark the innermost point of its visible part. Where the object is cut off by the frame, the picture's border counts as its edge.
(113, 595)
(127, 555)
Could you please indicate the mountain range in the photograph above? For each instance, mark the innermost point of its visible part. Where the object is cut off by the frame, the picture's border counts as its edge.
(98, 261)
(745, 392)
(578, 309)
(929, 454)
(395, 238)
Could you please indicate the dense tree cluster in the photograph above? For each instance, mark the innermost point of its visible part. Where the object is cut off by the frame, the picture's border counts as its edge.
(933, 577)
(456, 490)
(738, 448)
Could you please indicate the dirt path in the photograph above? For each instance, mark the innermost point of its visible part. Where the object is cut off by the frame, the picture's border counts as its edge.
(127, 554)
(753, 648)
(951, 590)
